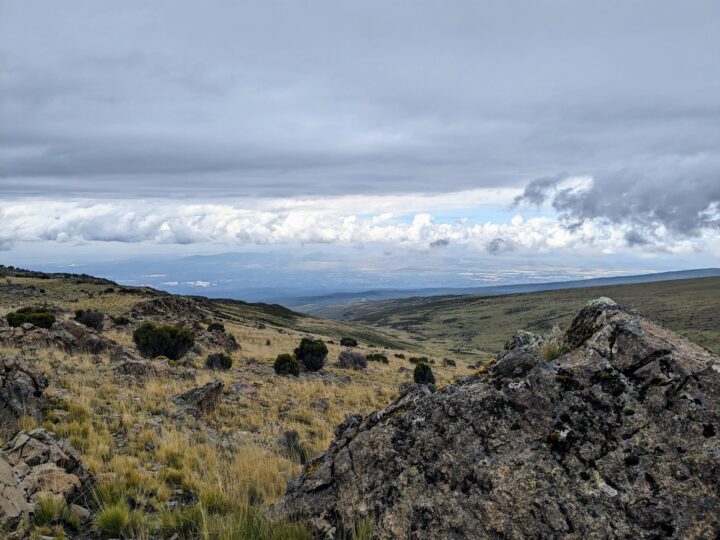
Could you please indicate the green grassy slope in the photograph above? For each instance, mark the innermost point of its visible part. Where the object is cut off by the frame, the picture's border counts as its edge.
(468, 325)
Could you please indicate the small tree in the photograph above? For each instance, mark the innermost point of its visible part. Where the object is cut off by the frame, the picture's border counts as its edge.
(167, 340)
(287, 364)
(219, 361)
(423, 374)
(311, 353)
(352, 360)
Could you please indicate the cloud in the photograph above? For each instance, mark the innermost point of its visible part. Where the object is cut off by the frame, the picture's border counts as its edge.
(268, 222)
(681, 196)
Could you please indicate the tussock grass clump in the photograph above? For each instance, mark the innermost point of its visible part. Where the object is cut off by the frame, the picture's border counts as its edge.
(38, 316)
(112, 520)
(163, 340)
(311, 353)
(287, 364)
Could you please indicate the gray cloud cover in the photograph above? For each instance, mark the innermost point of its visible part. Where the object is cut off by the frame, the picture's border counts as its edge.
(228, 99)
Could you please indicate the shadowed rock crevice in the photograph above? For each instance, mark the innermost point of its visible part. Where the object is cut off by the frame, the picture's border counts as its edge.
(618, 434)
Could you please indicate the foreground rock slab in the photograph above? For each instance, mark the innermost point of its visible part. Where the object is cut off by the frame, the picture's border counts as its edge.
(617, 438)
(34, 466)
(21, 393)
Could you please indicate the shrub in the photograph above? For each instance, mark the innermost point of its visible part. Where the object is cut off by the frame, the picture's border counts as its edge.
(377, 357)
(167, 340)
(216, 327)
(348, 342)
(400, 355)
(287, 364)
(38, 316)
(311, 353)
(122, 320)
(219, 361)
(423, 374)
(352, 360)
(92, 319)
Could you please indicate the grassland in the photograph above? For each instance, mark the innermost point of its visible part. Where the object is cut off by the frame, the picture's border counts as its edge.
(469, 327)
(232, 464)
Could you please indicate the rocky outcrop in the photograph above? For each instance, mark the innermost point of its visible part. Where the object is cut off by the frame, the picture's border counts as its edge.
(169, 308)
(215, 340)
(36, 466)
(21, 393)
(616, 438)
(200, 401)
(67, 335)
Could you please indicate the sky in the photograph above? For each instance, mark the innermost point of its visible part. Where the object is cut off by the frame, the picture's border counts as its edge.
(572, 137)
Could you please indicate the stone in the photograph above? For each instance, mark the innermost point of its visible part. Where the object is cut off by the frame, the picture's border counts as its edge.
(21, 393)
(35, 465)
(616, 438)
(200, 401)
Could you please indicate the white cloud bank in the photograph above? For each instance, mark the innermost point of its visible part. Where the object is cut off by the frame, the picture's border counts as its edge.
(399, 220)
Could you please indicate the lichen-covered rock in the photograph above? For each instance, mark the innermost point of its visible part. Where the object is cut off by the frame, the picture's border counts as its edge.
(21, 393)
(34, 466)
(67, 335)
(200, 401)
(617, 438)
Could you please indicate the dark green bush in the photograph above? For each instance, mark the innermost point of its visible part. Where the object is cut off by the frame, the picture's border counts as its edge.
(216, 327)
(377, 357)
(38, 316)
(167, 340)
(423, 374)
(348, 342)
(122, 320)
(311, 353)
(287, 364)
(91, 319)
(219, 361)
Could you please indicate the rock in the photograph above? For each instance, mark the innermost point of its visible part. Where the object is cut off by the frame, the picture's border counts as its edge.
(35, 465)
(524, 339)
(140, 368)
(201, 400)
(21, 393)
(69, 336)
(617, 438)
(170, 308)
(216, 340)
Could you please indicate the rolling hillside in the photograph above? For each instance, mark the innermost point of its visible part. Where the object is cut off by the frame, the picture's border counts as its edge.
(472, 325)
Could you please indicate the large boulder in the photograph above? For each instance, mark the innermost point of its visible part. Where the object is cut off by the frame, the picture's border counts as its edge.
(21, 393)
(36, 466)
(617, 438)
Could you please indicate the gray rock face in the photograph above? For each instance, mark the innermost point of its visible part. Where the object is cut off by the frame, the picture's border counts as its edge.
(34, 466)
(21, 393)
(201, 400)
(617, 438)
(67, 335)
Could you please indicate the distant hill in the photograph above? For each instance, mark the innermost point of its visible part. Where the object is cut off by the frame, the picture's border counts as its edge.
(315, 304)
(473, 325)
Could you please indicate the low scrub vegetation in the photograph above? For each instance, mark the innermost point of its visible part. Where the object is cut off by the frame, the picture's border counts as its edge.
(163, 340)
(287, 364)
(352, 360)
(377, 357)
(311, 353)
(219, 361)
(216, 327)
(348, 342)
(37, 316)
(423, 374)
(91, 319)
